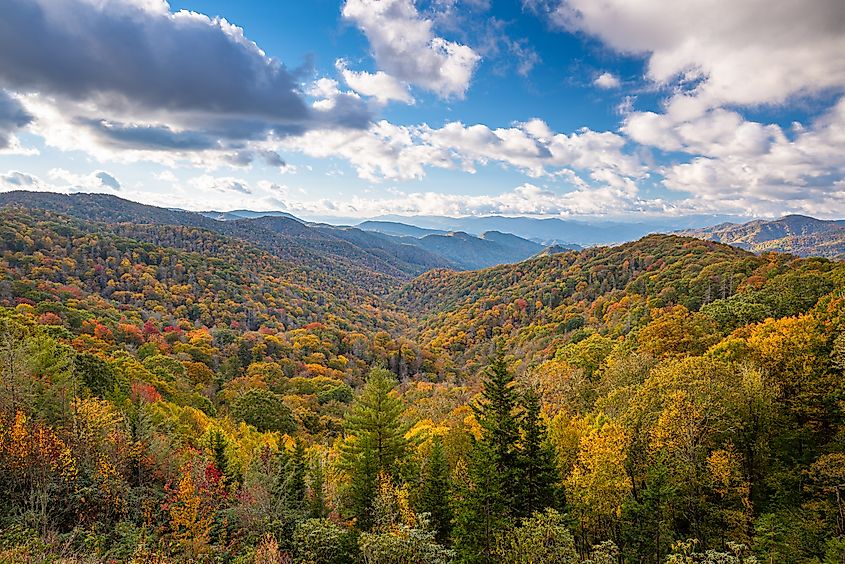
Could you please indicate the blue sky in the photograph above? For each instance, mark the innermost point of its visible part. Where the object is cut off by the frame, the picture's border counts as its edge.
(357, 108)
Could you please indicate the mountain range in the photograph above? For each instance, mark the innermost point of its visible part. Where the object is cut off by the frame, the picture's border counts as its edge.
(392, 249)
(153, 347)
(350, 252)
(545, 231)
(796, 234)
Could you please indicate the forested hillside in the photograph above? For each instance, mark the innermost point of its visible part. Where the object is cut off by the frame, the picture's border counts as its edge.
(173, 390)
(796, 234)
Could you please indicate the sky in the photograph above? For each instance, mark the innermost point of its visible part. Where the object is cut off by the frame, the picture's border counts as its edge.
(359, 108)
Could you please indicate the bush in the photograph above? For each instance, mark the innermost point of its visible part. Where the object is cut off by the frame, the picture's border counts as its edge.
(319, 541)
(264, 410)
(543, 537)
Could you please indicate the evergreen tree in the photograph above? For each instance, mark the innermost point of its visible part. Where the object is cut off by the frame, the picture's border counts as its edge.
(317, 506)
(537, 467)
(291, 489)
(496, 415)
(434, 497)
(218, 443)
(479, 508)
(490, 490)
(375, 442)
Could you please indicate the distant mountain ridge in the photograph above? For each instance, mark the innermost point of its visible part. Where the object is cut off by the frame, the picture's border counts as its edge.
(398, 229)
(797, 234)
(472, 253)
(570, 233)
(556, 231)
(380, 260)
(468, 252)
(245, 214)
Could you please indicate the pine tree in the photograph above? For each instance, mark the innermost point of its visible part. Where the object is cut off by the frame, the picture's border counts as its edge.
(496, 414)
(291, 489)
(363, 487)
(317, 506)
(218, 443)
(489, 493)
(375, 442)
(537, 468)
(434, 497)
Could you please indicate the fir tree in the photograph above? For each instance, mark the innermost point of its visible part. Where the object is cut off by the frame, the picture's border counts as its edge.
(496, 414)
(537, 468)
(291, 489)
(434, 497)
(218, 443)
(317, 506)
(375, 442)
(490, 489)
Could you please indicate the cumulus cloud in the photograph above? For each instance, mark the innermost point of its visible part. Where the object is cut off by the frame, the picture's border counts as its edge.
(108, 180)
(717, 57)
(379, 85)
(405, 46)
(789, 48)
(97, 181)
(61, 180)
(762, 169)
(526, 199)
(607, 81)
(393, 152)
(13, 116)
(225, 184)
(715, 133)
(16, 180)
(131, 74)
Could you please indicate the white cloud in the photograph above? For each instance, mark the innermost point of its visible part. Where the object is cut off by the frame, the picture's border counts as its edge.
(378, 85)
(718, 57)
(527, 199)
(166, 176)
(405, 46)
(225, 184)
(97, 181)
(715, 133)
(62, 180)
(607, 81)
(745, 53)
(392, 152)
(759, 168)
(16, 180)
(142, 82)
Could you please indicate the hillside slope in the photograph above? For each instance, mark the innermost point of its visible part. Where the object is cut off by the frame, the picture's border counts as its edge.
(539, 304)
(797, 234)
(378, 265)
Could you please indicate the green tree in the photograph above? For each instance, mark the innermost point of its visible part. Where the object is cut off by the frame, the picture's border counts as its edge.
(217, 444)
(317, 506)
(489, 488)
(434, 495)
(291, 488)
(264, 410)
(537, 468)
(375, 442)
(543, 537)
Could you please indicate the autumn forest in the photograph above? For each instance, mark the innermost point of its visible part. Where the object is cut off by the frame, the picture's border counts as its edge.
(180, 389)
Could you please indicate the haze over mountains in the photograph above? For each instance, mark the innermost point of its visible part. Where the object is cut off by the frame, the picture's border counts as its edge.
(545, 231)
(356, 253)
(477, 242)
(399, 247)
(797, 234)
